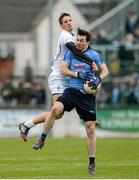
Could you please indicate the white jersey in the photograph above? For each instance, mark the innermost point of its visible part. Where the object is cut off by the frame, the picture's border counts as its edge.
(61, 50)
(58, 82)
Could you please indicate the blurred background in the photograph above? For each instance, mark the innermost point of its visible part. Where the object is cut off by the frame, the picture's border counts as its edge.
(29, 32)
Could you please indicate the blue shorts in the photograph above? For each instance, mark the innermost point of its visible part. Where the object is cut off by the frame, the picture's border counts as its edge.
(85, 104)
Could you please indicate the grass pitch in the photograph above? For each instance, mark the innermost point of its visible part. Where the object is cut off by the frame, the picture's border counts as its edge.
(67, 158)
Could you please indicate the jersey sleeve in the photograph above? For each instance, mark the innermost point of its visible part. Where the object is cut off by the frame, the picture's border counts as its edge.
(98, 59)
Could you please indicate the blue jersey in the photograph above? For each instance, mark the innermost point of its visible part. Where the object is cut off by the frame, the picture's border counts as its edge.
(79, 66)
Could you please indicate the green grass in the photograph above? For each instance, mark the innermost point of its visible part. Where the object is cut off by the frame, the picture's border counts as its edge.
(67, 159)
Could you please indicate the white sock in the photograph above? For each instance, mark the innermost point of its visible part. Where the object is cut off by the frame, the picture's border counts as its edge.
(29, 123)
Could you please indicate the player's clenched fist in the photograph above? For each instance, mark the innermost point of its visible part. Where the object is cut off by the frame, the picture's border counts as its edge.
(85, 76)
(94, 82)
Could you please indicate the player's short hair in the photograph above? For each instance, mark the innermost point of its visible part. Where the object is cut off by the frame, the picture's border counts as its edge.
(63, 15)
(82, 32)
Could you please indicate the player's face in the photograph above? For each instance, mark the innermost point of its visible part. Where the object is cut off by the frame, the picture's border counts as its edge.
(81, 43)
(67, 23)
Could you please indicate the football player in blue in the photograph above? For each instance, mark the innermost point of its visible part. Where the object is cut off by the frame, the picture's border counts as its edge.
(75, 96)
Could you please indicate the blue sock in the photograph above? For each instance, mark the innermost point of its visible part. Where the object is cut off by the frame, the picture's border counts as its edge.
(43, 136)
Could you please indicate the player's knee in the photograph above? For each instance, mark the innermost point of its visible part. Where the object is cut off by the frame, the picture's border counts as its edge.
(56, 110)
(59, 116)
(91, 130)
(91, 133)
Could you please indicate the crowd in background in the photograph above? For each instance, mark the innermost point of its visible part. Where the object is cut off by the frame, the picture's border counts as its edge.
(100, 37)
(120, 93)
(25, 91)
(124, 42)
(122, 89)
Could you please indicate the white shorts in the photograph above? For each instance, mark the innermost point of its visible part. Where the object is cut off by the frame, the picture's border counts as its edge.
(57, 84)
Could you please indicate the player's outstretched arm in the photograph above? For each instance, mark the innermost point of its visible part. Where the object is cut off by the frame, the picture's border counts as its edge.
(78, 54)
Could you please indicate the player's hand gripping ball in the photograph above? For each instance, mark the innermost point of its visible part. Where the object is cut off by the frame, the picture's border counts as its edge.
(85, 76)
(92, 86)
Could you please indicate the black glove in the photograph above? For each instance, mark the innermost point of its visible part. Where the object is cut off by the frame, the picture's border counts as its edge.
(94, 82)
(85, 76)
